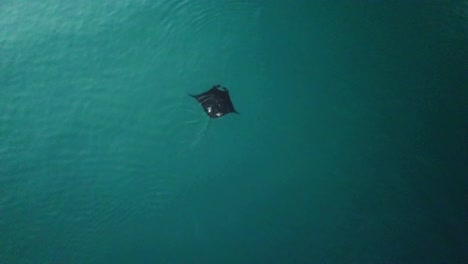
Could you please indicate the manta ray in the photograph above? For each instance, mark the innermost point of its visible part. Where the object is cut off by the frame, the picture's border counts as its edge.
(216, 102)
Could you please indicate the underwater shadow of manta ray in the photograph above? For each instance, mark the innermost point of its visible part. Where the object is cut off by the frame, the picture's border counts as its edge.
(215, 102)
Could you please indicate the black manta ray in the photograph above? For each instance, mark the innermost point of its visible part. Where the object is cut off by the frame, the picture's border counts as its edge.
(215, 102)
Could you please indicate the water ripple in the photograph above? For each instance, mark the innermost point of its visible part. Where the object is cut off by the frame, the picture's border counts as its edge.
(98, 135)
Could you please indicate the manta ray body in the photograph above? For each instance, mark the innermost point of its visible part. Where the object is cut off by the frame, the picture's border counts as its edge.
(215, 102)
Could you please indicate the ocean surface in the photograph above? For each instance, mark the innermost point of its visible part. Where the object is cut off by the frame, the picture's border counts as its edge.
(350, 147)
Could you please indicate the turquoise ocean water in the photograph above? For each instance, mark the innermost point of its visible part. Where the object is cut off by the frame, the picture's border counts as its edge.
(350, 146)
